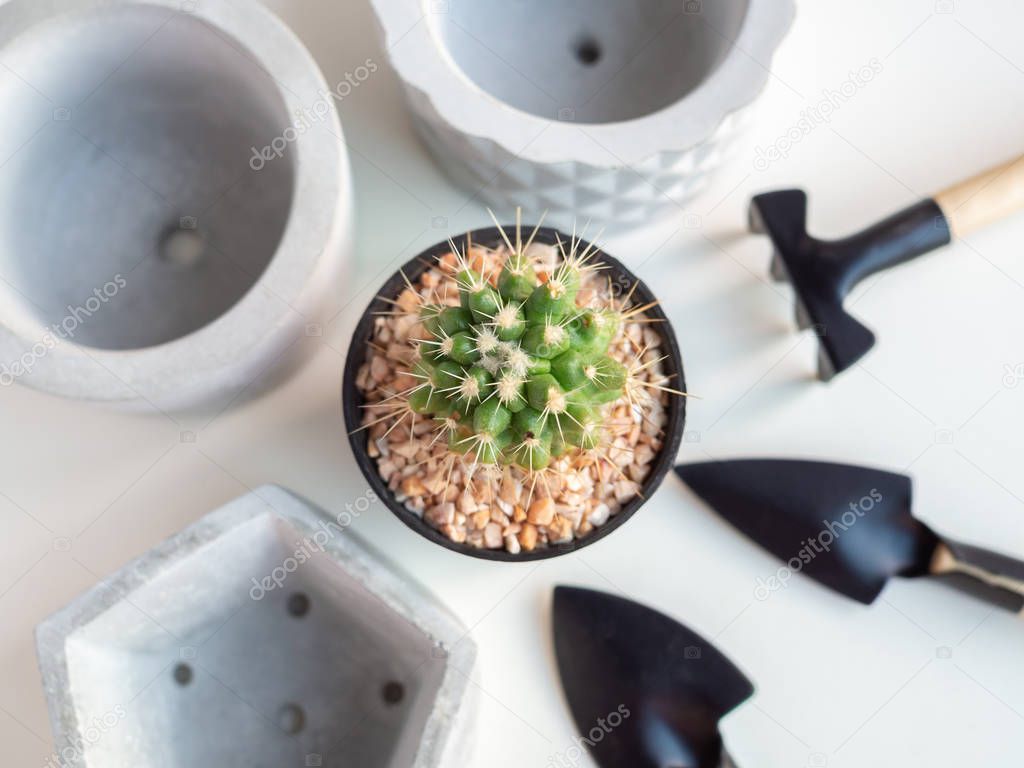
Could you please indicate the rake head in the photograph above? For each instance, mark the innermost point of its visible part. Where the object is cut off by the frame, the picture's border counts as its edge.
(823, 272)
(810, 266)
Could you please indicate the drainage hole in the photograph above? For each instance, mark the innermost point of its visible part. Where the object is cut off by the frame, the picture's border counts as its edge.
(182, 247)
(392, 692)
(182, 674)
(291, 719)
(298, 604)
(588, 51)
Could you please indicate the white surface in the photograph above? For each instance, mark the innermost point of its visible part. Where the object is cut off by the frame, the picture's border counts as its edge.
(838, 683)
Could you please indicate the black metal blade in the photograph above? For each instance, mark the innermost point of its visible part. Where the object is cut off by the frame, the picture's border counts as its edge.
(848, 527)
(823, 272)
(645, 691)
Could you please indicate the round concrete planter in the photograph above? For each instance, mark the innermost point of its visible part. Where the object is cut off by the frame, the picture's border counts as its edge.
(603, 110)
(352, 398)
(174, 197)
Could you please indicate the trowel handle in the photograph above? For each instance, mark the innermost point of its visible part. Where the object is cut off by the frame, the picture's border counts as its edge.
(983, 199)
(991, 568)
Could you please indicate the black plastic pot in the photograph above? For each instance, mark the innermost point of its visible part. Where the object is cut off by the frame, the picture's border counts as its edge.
(352, 398)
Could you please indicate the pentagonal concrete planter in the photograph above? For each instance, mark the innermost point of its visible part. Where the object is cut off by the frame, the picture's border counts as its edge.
(174, 197)
(264, 635)
(597, 109)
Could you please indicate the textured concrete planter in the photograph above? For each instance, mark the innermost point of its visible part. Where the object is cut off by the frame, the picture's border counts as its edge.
(598, 110)
(225, 646)
(174, 196)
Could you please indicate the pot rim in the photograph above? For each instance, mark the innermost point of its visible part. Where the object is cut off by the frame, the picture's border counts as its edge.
(231, 351)
(352, 401)
(420, 57)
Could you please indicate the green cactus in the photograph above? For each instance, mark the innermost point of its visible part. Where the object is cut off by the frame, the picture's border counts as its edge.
(517, 373)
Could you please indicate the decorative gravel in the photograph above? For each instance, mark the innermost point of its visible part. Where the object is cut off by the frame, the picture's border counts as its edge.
(497, 507)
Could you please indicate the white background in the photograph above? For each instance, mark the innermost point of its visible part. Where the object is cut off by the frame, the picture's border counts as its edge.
(837, 683)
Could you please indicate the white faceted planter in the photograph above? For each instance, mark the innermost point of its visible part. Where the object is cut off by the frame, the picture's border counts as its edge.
(225, 646)
(598, 109)
(174, 197)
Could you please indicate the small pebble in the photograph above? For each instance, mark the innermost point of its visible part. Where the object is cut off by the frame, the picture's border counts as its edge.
(492, 536)
(542, 511)
(379, 369)
(528, 537)
(560, 530)
(467, 504)
(599, 515)
(441, 515)
(412, 486)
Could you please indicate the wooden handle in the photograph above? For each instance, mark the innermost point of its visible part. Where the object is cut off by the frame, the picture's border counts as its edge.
(946, 561)
(981, 200)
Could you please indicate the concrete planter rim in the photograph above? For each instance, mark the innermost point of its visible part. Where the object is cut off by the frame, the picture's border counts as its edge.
(419, 56)
(352, 401)
(237, 345)
(392, 586)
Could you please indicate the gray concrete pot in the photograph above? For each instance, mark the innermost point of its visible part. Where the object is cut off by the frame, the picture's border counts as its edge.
(174, 197)
(602, 109)
(264, 635)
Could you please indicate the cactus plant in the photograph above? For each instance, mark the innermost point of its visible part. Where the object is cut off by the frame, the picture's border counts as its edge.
(519, 372)
(515, 395)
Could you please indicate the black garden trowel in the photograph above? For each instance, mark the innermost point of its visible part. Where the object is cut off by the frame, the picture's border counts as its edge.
(823, 272)
(849, 527)
(645, 691)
